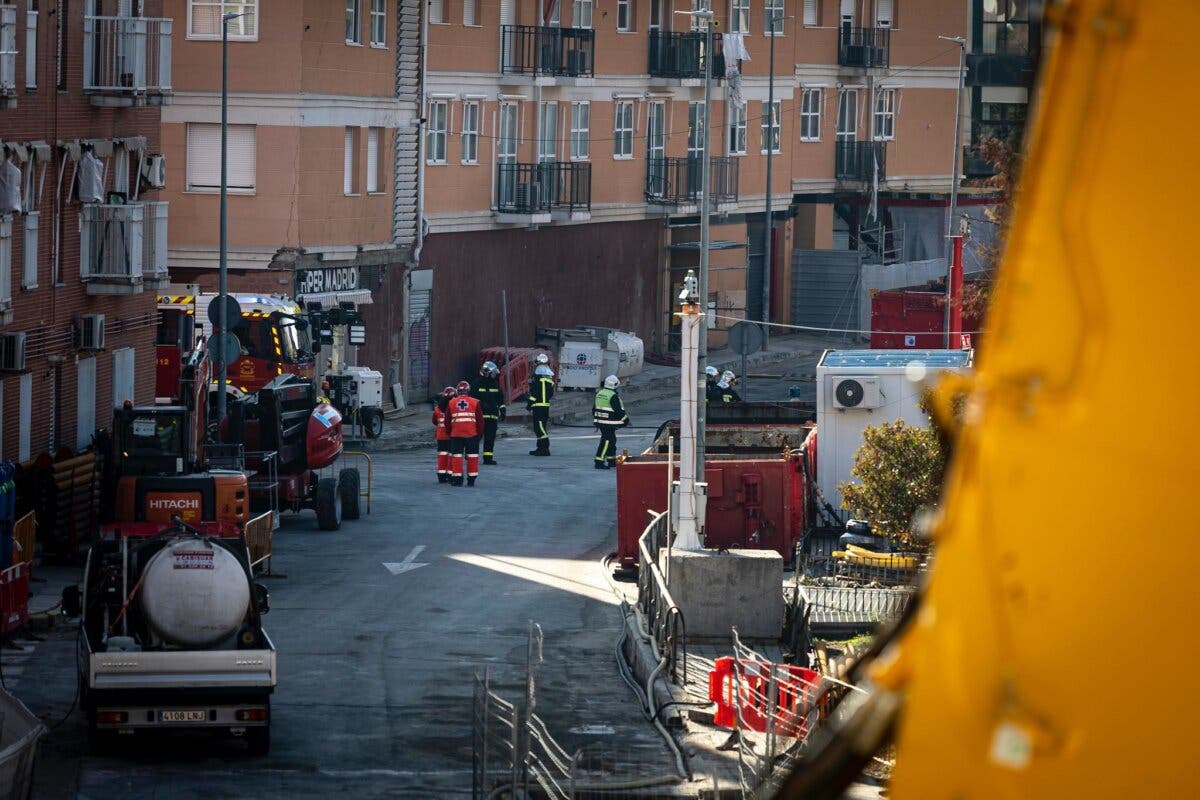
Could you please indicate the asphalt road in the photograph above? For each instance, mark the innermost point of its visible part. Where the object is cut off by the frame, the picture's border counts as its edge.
(376, 664)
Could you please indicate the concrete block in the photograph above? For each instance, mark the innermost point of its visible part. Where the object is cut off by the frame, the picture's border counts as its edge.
(717, 591)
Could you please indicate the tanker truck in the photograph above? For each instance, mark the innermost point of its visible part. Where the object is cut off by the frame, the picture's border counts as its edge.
(171, 637)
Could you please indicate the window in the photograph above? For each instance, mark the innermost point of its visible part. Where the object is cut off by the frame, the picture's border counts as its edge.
(1005, 28)
(847, 119)
(623, 129)
(353, 23)
(547, 140)
(739, 16)
(506, 147)
(656, 117)
(625, 15)
(555, 14)
(581, 13)
(846, 14)
(378, 23)
(31, 26)
(437, 11)
(812, 17)
(204, 158)
(204, 19)
(350, 162)
(122, 376)
(580, 120)
(695, 130)
(85, 401)
(810, 115)
(737, 129)
(470, 132)
(470, 12)
(773, 17)
(885, 114)
(771, 124)
(435, 136)
(375, 180)
(883, 13)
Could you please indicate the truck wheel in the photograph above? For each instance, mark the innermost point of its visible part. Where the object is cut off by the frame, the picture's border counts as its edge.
(372, 421)
(348, 486)
(329, 505)
(258, 740)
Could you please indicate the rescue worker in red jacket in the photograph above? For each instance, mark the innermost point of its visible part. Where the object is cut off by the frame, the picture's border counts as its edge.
(464, 423)
(441, 435)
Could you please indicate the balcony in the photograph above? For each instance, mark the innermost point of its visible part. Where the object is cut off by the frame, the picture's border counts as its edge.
(122, 247)
(127, 60)
(676, 182)
(548, 52)
(8, 56)
(537, 193)
(856, 161)
(863, 47)
(681, 56)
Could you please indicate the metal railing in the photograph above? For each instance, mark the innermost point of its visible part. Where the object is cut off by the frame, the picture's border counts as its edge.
(110, 242)
(676, 181)
(682, 55)
(858, 161)
(663, 618)
(127, 55)
(532, 188)
(8, 50)
(539, 50)
(880, 245)
(863, 47)
(19, 734)
(154, 240)
(260, 542)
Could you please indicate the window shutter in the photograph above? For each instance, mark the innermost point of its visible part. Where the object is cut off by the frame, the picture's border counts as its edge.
(847, 12)
(204, 156)
(883, 13)
(242, 158)
(373, 160)
(31, 25)
(25, 416)
(469, 12)
(436, 13)
(810, 13)
(85, 401)
(348, 163)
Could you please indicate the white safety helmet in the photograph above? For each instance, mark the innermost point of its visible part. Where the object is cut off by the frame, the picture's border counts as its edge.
(542, 358)
(711, 371)
(489, 368)
(543, 369)
(611, 382)
(723, 383)
(727, 375)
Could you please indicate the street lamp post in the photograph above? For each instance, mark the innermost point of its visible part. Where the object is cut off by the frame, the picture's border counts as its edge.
(767, 227)
(962, 60)
(223, 270)
(706, 15)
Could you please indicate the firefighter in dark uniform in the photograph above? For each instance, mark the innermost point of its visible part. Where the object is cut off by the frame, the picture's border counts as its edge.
(725, 391)
(710, 384)
(607, 415)
(541, 390)
(491, 400)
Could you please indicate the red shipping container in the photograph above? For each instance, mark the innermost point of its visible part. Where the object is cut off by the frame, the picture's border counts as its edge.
(911, 319)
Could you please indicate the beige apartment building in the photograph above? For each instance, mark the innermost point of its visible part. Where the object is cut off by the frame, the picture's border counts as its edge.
(561, 155)
(322, 154)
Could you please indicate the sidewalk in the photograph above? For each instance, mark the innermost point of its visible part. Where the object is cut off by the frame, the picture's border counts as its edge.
(655, 381)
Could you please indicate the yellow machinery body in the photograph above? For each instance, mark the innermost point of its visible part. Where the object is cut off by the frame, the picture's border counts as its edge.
(1053, 655)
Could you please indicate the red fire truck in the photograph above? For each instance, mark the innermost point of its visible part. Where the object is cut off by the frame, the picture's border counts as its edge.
(272, 331)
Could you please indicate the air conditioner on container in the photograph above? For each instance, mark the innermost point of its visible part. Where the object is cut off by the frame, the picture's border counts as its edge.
(858, 392)
(12, 352)
(527, 196)
(91, 332)
(154, 171)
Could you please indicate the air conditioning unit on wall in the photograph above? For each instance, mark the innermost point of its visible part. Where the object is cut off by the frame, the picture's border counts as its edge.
(858, 392)
(91, 332)
(12, 352)
(154, 171)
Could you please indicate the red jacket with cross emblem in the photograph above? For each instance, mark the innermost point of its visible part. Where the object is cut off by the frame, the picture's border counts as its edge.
(464, 417)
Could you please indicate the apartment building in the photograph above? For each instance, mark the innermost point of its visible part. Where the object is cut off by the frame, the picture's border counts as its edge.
(563, 139)
(321, 154)
(83, 221)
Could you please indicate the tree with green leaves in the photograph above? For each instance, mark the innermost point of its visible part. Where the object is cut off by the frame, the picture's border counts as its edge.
(899, 468)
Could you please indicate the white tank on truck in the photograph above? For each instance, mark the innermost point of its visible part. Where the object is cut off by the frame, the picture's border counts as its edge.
(194, 593)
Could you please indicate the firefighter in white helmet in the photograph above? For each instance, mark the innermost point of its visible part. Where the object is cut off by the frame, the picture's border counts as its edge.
(725, 391)
(710, 383)
(541, 390)
(607, 415)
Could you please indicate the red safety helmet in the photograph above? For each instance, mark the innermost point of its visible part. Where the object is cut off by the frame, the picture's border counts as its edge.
(448, 391)
(463, 387)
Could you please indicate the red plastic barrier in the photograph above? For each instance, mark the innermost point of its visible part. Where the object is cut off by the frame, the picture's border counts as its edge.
(796, 689)
(14, 597)
(514, 374)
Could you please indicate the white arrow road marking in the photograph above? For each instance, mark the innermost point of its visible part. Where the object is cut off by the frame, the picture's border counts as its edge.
(408, 564)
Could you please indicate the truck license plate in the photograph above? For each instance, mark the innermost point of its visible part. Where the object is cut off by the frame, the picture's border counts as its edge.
(182, 716)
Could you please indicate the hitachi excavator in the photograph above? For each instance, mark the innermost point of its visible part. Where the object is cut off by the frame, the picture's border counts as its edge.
(1049, 653)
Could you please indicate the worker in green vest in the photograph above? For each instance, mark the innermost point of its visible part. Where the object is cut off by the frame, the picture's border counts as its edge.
(607, 415)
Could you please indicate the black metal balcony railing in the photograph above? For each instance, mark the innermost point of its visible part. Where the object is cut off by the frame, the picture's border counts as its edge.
(682, 55)
(857, 161)
(544, 187)
(535, 50)
(676, 181)
(863, 47)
